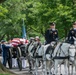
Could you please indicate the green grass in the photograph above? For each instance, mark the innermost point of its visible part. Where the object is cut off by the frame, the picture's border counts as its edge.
(4, 74)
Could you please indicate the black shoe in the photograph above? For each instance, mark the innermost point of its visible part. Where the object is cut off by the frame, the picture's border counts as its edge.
(47, 72)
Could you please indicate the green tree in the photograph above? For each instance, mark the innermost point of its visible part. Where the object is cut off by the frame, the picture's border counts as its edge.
(37, 15)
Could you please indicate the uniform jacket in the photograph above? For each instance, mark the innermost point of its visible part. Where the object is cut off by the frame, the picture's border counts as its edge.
(51, 35)
(72, 33)
(5, 50)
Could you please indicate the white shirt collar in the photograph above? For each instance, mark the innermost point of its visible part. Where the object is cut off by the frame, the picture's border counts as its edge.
(74, 28)
(53, 29)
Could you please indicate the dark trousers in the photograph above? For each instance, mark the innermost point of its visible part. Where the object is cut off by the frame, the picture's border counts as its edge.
(4, 60)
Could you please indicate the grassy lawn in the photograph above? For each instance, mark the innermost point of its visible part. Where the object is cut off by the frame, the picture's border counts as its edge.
(4, 74)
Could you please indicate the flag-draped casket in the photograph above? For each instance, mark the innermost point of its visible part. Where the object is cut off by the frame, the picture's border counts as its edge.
(17, 41)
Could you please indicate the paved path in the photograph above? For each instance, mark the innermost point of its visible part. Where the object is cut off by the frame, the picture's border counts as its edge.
(16, 70)
(23, 72)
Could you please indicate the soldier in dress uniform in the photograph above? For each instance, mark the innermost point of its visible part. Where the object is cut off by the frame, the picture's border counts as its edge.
(72, 34)
(5, 48)
(51, 34)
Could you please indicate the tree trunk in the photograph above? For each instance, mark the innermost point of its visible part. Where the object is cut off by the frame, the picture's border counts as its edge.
(4, 70)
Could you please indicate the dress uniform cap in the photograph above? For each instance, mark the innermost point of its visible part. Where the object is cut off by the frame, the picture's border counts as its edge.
(37, 37)
(3, 41)
(52, 24)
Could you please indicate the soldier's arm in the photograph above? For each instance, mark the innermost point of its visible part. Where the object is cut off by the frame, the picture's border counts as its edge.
(8, 45)
(69, 34)
(57, 36)
(46, 34)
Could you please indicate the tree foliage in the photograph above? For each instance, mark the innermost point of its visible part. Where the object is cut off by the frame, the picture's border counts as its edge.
(37, 14)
